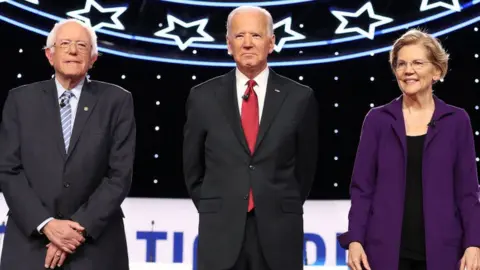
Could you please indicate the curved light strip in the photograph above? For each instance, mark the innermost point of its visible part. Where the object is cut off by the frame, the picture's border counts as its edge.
(232, 64)
(233, 4)
(224, 47)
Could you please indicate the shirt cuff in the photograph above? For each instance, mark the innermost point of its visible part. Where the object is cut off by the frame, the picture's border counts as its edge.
(40, 227)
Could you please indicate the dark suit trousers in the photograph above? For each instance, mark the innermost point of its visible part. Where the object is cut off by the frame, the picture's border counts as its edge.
(251, 255)
(407, 264)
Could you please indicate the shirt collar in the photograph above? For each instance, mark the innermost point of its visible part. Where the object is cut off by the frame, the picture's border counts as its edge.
(261, 79)
(76, 90)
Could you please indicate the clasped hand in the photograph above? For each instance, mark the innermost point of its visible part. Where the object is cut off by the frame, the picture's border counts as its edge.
(55, 256)
(65, 237)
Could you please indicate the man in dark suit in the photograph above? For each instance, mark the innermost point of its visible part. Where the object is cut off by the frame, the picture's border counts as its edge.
(66, 157)
(250, 152)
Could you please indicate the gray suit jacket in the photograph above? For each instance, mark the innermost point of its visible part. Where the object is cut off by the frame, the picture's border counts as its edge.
(87, 185)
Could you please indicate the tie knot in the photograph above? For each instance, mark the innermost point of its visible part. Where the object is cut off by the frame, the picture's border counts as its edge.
(65, 97)
(67, 94)
(251, 83)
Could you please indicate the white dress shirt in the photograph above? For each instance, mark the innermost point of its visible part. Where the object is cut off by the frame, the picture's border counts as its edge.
(77, 90)
(260, 89)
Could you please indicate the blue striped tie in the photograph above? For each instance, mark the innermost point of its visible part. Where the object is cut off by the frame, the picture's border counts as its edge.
(66, 117)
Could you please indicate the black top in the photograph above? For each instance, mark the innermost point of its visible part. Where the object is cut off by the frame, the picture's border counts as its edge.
(413, 231)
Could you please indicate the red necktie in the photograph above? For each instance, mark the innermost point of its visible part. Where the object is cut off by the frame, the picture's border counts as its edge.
(250, 124)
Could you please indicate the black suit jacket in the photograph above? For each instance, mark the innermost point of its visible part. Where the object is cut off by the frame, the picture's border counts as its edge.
(88, 185)
(219, 170)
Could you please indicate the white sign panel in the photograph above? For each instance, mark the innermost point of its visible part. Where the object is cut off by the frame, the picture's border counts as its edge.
(164, 231)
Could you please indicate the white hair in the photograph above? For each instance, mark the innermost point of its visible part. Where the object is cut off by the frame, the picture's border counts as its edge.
(251, 8)
(52, 36)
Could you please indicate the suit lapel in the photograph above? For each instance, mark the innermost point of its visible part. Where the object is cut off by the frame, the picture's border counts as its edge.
(273, 101)
(399, 129)
(226, 95)
(50, 100)
(86, 104)
(441, 110)
(395, 108)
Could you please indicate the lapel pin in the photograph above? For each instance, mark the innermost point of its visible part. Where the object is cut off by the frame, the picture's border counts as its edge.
(276, 90)
(85, 109)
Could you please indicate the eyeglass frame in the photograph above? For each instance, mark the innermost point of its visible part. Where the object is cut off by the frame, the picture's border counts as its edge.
(70, 42)
(411, 64)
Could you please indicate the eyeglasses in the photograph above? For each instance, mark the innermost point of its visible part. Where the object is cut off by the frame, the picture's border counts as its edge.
(416, 65)
(81, 46)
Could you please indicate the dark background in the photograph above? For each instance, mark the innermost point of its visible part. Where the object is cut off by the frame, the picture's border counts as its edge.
(354, 91)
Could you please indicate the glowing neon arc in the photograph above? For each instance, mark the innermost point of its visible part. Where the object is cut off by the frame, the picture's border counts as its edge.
(224, 47)
(236, 4)
(231, 64)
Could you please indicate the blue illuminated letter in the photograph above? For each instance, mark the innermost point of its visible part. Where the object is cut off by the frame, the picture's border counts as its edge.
(178, 247)
(151, 239)
(319, 246)
(341, 254)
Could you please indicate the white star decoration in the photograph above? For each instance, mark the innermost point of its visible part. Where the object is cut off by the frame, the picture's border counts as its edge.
(381, 20)
(201, 24)
(287, 22)
(117, 11)
(455, 5)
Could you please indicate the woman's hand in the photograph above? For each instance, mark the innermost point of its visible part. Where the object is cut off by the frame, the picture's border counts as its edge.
(357, 257)
(471, 259)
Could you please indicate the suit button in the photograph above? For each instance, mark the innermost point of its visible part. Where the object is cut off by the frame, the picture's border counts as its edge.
(251, 167)
(59, 215)
(66, 184)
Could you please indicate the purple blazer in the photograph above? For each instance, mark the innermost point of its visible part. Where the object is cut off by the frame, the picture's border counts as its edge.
(450, 185)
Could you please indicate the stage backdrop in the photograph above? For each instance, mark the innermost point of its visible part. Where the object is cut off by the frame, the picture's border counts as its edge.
(165, 230)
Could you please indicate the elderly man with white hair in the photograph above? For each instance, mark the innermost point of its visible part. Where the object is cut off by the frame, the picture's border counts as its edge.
(66, 156)
(250, 155)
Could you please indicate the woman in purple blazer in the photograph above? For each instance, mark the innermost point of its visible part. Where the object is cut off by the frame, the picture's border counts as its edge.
(414, 184)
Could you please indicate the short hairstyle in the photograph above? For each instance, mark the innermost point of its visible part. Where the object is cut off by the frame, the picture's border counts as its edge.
(435, 52)
(251, 8)
(53, 34)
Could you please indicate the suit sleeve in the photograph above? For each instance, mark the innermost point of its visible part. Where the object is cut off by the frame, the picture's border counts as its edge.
(363, 184)
(193, 146)
(109, 195)
(307, 146)
(466, 185)
(25, 206)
